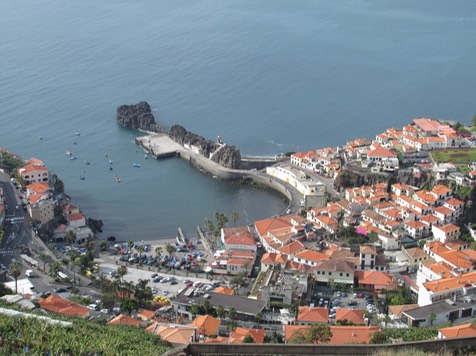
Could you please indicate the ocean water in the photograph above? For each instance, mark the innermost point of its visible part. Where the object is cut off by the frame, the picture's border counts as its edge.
(267, 76)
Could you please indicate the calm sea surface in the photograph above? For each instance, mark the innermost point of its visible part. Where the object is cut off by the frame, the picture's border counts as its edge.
(267, 76)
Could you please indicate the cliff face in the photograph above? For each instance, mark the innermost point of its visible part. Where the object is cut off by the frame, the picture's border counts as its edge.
(228, 156)
(138, 117)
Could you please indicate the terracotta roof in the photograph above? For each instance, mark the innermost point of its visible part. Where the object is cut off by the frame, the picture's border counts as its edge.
(447, 228)
(340, 334)
(238, 335)
(30, 168)
(380, 152)
(216, 340)
(206, 324)
(446, 284)
(292, 248)
(465, 330)
(311, 255)
(441, 190)
(416, 253)
(271, 258)
(453, 202)
(263, 226)
(312, 314)
(224, 290)
(371, 250)
(416, 224)
(59, 305)
(175, 334)
(240, 240)
(354, 315)
(74, 217)
(38, 187)
(36, 162)
(427, 124)
(376, 278)
(397, 310)
(147, 314)
(122, 319)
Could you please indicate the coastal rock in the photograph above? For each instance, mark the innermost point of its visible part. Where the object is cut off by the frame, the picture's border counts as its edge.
(137, 116)
(227, 156)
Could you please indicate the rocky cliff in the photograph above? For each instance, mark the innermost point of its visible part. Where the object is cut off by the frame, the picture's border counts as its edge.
(227, 156)
(137, 116)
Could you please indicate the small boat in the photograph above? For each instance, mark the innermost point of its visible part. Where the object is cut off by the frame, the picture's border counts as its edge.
(110, 168)
(118, 180)
(82, 177)
(72, 158)
(146, 156)
(75, 143)
(68, 153)
(111, 161)
(137, 165)
(86, 163)
(77, 133)
(40, 137)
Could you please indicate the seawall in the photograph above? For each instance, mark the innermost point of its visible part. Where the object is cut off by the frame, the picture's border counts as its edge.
(161, 146)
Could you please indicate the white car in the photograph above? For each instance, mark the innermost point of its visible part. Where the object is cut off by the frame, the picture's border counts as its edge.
(93, 307)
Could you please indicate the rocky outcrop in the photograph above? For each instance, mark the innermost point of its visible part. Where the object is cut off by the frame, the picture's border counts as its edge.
(227, 156)
(137, 116)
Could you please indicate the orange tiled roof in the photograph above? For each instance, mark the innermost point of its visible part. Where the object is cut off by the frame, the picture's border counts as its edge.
(441, 190)
(38, 187)
(312, 255)
(263, 226)
(74, 217)
(398, 310)
(312, 314)
(240, 240)
(238, 335)
(176, 334)
(62, 306)
(465, 330)
(292, 248)
(206, 324)
(354, 315)
(30, 168)
(122, 319)
(426, 124)
(224, 290)
(148, 314)
(271, 257)
(376, 278)
(380, 152)
(340, 334)
(447, 284)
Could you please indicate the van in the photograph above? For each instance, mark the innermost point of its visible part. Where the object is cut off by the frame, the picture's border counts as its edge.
(29, 273)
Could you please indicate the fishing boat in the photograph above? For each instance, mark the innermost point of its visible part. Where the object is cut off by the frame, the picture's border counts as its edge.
(77, 133)
(146, 156)
(118, 180)
(110, 168)
(86, 163)
(72, 158)
(111, 161)
(82, 177)
(68, 153)
(137, 165)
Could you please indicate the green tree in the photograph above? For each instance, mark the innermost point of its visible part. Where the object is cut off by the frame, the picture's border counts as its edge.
(248, 339)
(15, 270)
(158, 251)
(103, 245)
(474, 121)
(220, 311)
(298, 338)
(432, 317)
(209, 226)
(170, 249)
(140, 249)
(232, 325)
(258, 316)
(378, 337)
(373, 236)
(70, 237)
(42, 256)
(55, 267)
(234, 216)
(128, 305)
(121, 272)
(232, 313)
(221, 219)
(130, 244)
(318, 334)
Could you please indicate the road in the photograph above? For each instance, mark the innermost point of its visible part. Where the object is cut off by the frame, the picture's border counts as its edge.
(18, 234)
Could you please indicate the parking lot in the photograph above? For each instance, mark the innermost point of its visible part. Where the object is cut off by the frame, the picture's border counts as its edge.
(333, 300)
(169, 287)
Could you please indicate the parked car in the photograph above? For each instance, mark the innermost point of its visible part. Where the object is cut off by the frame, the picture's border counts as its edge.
(93, 307)
(60, 290)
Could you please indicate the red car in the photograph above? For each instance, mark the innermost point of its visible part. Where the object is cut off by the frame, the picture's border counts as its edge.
(189, 284)
(360, 295)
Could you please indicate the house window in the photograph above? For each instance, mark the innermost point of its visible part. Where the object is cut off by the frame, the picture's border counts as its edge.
(341, 274)
(347, 275)
(330, 273)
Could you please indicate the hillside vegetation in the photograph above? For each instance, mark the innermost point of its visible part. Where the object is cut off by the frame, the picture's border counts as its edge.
(36, 337)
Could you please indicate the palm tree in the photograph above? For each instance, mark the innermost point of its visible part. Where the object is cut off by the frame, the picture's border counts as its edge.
(170, 249)
(42, 256)
(158, 251)
(140, 249)
(220, 310)
(55, 267)
(209, 226)
(73, 257)
(121, 272)
(130, 244)
(70, 237)
(15, 270)
(234, 216)
(232, 313)
(258, 316)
